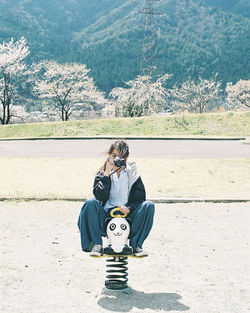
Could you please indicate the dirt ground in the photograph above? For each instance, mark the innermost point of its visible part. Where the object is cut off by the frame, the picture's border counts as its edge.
(198, 261)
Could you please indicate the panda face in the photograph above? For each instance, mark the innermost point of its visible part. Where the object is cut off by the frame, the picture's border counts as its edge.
(117, 232)
(118, 227)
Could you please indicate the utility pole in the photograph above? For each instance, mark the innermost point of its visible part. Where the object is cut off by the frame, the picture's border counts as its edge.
(149, 45)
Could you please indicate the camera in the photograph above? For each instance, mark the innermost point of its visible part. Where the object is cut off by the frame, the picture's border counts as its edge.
(119, 162)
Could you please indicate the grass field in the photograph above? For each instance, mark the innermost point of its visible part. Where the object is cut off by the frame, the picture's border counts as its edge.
(207, 124)
(73, 178)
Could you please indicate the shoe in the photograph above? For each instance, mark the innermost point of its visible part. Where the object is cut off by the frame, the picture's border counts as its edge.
(139, 252)
(125, 251)
(96, 251)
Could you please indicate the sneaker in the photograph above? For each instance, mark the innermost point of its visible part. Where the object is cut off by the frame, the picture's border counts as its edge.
(139, 252)
(96, 251)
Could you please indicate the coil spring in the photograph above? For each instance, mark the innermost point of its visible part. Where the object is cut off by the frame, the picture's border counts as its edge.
(116, 273)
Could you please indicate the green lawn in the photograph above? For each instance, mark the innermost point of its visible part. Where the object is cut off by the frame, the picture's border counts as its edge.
(73, 177)
(207, 124)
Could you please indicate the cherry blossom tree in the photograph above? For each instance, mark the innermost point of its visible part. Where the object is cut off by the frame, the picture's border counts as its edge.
(195, 96)
(238, 95)
(12, 68)
(141, 96)
(67, 84)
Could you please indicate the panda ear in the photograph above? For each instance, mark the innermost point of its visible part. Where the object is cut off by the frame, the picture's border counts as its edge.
(107, 220)
(129, 220)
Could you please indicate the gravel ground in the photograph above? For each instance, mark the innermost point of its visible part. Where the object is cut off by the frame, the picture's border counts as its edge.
(198, 261)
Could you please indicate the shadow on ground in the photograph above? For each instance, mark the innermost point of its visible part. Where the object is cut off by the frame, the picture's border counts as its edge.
(120, 302)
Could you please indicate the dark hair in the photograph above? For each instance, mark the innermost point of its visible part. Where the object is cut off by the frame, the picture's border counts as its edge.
(123, 149)
(121, 146)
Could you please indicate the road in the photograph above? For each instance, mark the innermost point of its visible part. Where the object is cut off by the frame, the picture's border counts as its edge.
(167, 149)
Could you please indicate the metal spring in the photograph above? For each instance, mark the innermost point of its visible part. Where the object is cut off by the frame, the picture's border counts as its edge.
(116, 273)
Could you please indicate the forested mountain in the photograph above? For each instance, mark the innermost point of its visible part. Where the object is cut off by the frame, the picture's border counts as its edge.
(48, 25)
(235, 6)
(194, 37)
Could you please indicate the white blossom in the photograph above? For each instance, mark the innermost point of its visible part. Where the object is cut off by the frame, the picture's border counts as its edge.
(195, 97)
(11, 56)
(238, 95)
(141, 96)
(67, 84)
(12, 67)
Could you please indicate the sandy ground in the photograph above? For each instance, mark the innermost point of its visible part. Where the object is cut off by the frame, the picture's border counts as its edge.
(198, 261)
(68, 178)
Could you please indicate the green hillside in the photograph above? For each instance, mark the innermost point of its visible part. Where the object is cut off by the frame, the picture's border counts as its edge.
(49, 25)
(193, 40)
(241, 7)
(236, 124)
(194, 37)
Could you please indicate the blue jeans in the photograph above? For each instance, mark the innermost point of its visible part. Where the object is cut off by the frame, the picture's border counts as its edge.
(92, 226)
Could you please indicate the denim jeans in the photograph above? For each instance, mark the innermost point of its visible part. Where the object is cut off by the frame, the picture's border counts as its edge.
(92, 226)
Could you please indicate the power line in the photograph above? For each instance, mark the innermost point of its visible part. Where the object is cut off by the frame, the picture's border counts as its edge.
(149, 44)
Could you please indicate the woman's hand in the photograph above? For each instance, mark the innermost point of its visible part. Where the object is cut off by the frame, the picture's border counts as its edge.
(124, 210)
(109, 167)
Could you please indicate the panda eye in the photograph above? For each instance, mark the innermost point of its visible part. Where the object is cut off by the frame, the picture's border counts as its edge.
(123, 226)
(112, 226)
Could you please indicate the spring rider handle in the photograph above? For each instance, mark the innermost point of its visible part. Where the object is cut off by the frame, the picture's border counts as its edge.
(117, 215)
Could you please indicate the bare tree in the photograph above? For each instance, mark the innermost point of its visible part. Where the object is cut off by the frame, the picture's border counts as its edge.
(12, 68)
(238, 95)
(141, 96)
(195, 97)
(67, 84)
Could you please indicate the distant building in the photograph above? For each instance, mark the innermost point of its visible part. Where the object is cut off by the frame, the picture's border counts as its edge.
(109, 110)
(19, 114)
(90, 114)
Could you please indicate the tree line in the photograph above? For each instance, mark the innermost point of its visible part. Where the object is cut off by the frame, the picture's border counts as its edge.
(69, 84)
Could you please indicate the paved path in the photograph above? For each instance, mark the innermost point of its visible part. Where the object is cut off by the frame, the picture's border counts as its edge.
(170, 149)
